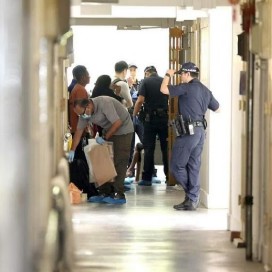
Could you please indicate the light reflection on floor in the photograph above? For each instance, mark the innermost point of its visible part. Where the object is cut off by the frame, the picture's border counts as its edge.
(147, 235)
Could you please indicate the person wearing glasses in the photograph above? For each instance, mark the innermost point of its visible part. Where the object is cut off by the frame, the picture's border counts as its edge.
(155, 120)
(113, 117)
(194, 99)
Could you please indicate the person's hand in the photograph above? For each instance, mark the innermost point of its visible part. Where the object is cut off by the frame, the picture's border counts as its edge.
(171, 72)
(130, 82)
(71, 155)
(100, 140)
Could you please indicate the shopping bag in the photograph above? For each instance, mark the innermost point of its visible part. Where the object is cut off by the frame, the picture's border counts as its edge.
(100, 162)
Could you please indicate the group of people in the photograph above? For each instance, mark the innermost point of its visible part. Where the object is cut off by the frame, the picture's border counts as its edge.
(120, 108)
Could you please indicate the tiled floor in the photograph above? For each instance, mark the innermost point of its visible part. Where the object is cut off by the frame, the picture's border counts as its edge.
(147, 235)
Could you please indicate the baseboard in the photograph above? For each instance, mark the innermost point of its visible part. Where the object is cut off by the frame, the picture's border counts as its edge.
(204, 198)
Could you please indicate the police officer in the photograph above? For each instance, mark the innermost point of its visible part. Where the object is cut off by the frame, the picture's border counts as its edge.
(194, 99)
(155, 118)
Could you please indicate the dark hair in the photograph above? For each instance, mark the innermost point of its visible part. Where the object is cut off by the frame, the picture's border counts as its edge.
(194, 75)
(120, 66)
(103, 81)
(150, 69)
(83, 103)
(103, 88)
(79, 71)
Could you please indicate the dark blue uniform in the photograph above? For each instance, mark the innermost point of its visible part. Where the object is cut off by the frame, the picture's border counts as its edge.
(194, 100)
(156, 123)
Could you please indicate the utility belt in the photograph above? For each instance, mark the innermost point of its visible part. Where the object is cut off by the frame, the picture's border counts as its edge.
(182, 127)
(146, 115)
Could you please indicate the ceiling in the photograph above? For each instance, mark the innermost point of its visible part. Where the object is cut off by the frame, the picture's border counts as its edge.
(128, 14)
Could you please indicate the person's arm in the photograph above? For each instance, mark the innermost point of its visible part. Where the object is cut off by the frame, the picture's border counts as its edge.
(138, 104)
(125, 93)
(166, 81)
(115, 126)
(76, 138)
(213, 104)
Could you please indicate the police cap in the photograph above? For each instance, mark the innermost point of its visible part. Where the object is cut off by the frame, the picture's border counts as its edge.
(188, 67)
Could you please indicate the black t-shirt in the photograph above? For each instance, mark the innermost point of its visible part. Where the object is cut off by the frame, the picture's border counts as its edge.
(150, 89)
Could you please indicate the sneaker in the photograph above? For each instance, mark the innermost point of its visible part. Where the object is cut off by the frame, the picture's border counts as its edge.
(145, 183)
(116, 199)
(97, 199)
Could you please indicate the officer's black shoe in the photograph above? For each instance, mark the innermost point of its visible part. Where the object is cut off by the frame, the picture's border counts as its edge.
(181, 206)
(187, 205)
(191, 205)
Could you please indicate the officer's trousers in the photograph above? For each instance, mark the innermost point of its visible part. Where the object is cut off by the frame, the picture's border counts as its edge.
(156, 127)
(186, 160)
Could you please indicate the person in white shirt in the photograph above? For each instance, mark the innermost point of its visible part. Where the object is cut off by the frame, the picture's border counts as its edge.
(121, 68)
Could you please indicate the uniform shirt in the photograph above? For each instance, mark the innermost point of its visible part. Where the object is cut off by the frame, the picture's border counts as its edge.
(107, 111)
(78, 92)
(194, 99)
(150, 89)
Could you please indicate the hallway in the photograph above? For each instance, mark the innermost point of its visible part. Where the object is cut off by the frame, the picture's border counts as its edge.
(147, 235)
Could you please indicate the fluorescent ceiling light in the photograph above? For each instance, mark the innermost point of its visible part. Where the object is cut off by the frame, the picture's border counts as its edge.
(136, 27)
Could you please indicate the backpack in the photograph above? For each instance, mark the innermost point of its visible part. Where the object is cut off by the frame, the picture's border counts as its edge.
(114, 87)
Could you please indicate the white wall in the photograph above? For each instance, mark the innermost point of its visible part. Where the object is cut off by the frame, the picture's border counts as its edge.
(220, 68)
(238, 130)
(100, 47)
